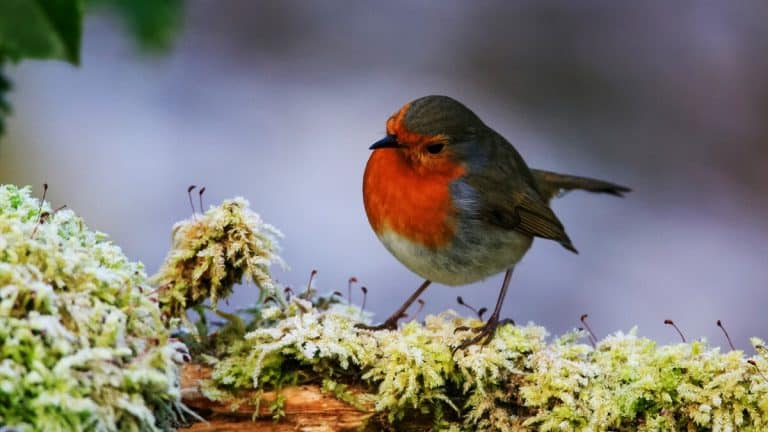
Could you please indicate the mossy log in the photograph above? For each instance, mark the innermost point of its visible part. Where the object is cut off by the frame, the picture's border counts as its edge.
(307, 408)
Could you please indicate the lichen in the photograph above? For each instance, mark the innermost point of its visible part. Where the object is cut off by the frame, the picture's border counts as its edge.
(82, 344)
(211, 253)
(519, 381)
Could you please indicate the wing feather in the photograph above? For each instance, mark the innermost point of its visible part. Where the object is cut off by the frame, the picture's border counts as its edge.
(510, 198)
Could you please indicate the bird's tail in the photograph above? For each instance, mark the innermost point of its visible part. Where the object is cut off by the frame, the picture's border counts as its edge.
(551, 184)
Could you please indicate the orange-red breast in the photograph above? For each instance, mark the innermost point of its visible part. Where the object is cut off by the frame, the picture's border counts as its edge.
(454, 201)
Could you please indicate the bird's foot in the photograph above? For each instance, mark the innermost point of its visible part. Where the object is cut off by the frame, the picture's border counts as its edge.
(484, 333)
(389, 324)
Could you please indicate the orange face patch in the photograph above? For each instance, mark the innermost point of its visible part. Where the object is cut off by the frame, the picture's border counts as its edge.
(394, 122)
(414, 145)
(412, 200)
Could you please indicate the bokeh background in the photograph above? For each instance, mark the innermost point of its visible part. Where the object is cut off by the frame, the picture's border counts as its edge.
(278, 102)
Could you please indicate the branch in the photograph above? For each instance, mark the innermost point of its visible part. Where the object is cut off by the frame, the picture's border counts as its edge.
(305, 407)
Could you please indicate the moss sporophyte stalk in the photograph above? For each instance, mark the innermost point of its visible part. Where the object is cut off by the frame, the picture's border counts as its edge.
(85, 345)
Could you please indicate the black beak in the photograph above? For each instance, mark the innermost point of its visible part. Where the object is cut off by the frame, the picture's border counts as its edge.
(388, 141)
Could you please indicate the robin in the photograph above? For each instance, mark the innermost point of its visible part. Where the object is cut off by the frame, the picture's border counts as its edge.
(454, 201)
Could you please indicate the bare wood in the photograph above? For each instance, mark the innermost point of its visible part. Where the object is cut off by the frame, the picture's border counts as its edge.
(307, 408)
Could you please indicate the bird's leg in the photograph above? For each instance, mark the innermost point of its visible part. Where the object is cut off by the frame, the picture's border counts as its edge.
(391, 322)
(485, 332)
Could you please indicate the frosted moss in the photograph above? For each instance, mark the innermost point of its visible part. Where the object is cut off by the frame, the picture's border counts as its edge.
(213, 252)
(82, 345)
(519, 382)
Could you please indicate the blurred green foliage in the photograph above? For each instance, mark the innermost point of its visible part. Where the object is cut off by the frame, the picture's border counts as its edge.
(153, 23)
(38, 29)
(41, 29)
(5, 107)
(53, 29)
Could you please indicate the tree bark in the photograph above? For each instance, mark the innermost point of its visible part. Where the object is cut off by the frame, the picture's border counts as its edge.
(307, 408)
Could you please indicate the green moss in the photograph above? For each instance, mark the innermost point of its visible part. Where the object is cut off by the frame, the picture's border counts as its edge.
(520, 381)
(213, 252)
(277, 407)
(341, 392)
(82, 344)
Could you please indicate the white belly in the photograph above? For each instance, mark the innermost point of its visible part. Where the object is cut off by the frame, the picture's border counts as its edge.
(474, 254)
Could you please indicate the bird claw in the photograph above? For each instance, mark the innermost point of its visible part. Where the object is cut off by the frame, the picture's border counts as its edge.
(386, 325)
(462, 328)
(485, 333)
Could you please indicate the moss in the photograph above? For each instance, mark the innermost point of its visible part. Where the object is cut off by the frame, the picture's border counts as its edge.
(213, 252)
(277, 407)
(341, 392)
(82, 344)
(520, 381)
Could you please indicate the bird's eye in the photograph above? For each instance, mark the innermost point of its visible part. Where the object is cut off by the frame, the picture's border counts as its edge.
(435, 148)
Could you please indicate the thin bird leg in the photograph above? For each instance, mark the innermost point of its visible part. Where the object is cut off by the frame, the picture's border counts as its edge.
(485, 333)
(391, 322)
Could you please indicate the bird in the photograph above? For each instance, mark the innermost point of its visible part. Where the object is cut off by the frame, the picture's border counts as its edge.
(455, 202)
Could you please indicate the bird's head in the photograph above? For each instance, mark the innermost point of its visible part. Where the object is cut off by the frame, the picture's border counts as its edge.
(427, 132)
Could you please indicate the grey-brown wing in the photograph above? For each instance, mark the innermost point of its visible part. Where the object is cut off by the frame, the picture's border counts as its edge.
(510, 200)
(527, 213)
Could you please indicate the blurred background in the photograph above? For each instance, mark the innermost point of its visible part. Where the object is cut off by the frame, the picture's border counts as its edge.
(279, 101)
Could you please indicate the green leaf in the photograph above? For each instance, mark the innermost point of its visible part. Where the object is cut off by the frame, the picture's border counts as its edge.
(41, 29)
(153, 23)
(5, 107)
